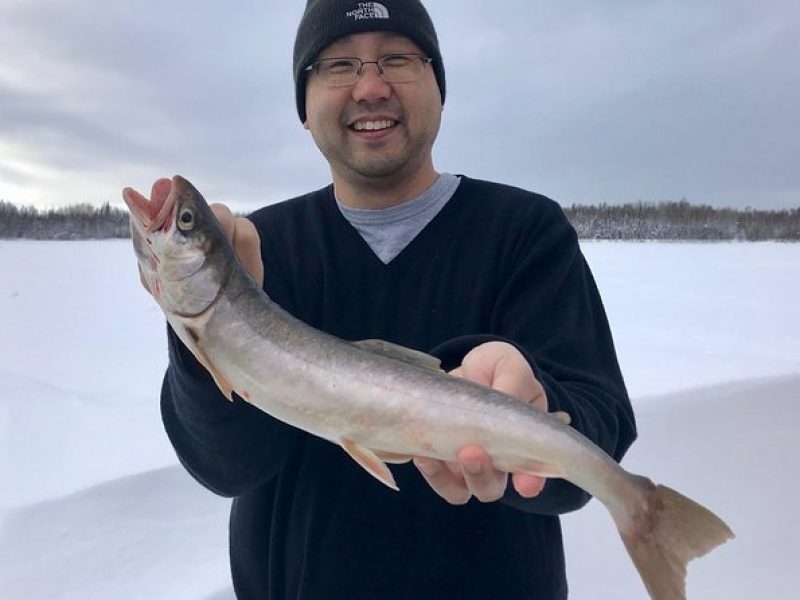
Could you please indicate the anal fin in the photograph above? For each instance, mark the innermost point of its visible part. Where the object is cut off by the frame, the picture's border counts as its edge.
(370, 462)
(393, 457)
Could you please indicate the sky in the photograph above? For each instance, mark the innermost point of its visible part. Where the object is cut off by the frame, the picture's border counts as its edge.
(584, 102)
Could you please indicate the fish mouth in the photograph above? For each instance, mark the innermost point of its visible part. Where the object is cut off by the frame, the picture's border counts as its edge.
(154, 213)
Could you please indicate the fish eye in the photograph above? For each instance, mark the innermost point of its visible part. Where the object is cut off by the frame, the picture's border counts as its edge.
(186, 219)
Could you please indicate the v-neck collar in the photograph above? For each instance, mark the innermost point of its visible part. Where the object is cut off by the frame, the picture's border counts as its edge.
(417, 243)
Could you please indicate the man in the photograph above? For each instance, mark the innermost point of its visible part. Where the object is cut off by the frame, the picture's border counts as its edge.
(486, 277)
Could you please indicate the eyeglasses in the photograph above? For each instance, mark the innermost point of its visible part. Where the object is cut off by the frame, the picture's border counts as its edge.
(393, 68)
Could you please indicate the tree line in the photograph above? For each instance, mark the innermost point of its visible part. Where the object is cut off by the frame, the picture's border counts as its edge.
(636, 221)
(682, 221)
(75, 222)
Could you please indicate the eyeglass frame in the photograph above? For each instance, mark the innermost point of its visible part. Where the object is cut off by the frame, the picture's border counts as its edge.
(426, 60)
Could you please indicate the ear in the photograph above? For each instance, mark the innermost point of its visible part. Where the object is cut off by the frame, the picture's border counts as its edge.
(305, 124)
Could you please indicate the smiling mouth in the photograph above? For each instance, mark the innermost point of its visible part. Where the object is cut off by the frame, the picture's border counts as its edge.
(377, 125)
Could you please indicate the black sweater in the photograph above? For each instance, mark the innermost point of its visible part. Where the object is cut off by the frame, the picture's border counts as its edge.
(308, 522)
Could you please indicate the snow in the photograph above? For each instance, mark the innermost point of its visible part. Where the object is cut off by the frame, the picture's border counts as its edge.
(689, 314)
(94, 504)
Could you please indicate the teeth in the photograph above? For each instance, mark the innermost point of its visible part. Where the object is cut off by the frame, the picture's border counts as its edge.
(372, 125)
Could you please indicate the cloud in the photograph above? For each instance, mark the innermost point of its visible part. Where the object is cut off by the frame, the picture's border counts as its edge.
(627, 101)
(610, 102)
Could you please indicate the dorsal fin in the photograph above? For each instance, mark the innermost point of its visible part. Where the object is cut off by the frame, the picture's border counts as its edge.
(401, 353)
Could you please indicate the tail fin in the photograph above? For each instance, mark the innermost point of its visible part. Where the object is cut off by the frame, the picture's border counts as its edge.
(666, 533)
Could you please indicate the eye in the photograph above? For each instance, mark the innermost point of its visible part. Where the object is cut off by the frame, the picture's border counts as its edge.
(186, 220)
(337, 66)
(397, 61)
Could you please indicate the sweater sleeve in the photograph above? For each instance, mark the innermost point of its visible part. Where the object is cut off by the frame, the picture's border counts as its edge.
(229, 447)
(549, 307)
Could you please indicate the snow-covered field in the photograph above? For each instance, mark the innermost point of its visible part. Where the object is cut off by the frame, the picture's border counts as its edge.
(94, 505)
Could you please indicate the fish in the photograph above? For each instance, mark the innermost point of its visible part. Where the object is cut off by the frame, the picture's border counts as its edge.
(381, 402)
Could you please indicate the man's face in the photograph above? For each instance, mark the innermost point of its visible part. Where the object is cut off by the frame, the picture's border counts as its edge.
(374, 130)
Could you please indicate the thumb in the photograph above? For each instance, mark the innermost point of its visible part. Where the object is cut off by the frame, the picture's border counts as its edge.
(245, 241)
(247, 244)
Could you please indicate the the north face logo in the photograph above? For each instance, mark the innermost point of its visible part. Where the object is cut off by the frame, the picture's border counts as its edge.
(369, 10)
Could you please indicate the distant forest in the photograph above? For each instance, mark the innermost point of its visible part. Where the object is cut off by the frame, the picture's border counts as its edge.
(639, 221)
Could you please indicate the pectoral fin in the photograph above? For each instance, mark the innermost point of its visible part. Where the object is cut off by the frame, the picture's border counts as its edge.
(371, 463)
(191, 338)
(222, 382)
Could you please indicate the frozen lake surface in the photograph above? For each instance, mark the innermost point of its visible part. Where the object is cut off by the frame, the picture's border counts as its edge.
(94, 505)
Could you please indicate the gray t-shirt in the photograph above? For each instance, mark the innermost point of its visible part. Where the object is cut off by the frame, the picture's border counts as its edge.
(389, 230)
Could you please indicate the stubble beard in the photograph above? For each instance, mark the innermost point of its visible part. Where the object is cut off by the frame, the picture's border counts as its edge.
(378, 164)
(379, 167)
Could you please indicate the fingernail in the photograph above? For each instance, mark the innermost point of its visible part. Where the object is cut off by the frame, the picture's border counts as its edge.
(473, 467)
(428, 468)
(534, 490)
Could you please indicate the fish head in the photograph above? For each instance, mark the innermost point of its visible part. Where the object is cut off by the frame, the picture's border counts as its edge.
(184, 256)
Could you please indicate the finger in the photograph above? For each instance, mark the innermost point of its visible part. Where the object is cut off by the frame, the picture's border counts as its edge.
(514, 380)
(528, 486)
(521, 383)
(244, 239)
(477, 371)
(225, 218)
(247, 244)
(443, 481)
(485, 482)
(514, 376)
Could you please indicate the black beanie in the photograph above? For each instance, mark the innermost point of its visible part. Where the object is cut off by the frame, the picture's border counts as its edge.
(325, 21)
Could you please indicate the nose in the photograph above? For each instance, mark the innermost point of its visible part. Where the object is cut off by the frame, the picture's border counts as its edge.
(371, 87)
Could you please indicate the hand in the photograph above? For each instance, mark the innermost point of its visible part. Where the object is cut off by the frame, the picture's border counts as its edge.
(501, 366)
(245, 240)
